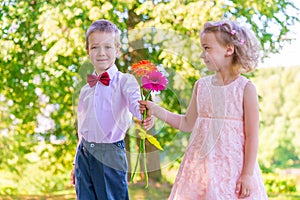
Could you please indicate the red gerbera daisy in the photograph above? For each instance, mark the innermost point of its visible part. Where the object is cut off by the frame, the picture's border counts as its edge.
(143, 67)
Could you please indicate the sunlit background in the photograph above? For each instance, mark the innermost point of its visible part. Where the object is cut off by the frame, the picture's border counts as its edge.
(44, 64)
(289, 55)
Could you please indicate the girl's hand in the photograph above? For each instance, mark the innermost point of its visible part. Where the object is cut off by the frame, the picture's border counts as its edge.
(146, 105)
(72, 178)
(243, 186)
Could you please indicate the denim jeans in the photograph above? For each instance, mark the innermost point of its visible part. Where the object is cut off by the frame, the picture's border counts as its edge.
(101, 171)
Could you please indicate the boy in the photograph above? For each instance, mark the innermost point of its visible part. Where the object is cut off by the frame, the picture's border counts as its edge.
(105, 109)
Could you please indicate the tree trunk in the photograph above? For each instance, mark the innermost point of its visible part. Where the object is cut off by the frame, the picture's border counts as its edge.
(153, 162)
(136, 53)
(127, 146)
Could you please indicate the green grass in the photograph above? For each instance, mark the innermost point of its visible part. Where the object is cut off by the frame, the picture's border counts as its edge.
(37, 197)
(136, 192)
(159, 191)
(284, 197)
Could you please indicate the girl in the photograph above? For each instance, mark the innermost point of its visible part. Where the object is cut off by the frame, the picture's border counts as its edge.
(220, 159)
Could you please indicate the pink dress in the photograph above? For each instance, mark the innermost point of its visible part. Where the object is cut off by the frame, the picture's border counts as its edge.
(214, 156)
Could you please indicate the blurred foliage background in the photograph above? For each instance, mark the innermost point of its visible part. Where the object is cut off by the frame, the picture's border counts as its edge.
(43, 65)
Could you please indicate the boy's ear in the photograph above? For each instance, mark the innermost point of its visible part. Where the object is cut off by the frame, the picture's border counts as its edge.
(229, 50)
(118, 52)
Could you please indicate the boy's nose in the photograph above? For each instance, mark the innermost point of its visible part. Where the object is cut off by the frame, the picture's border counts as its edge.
(101, 51)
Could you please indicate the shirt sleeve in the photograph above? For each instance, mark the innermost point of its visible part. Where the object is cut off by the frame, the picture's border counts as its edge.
(79, 109)
(131, 91)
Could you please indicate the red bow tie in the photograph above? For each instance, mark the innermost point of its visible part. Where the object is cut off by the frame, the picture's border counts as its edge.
(103, 78)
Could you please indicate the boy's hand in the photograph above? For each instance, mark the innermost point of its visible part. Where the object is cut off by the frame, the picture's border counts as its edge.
(72, 178)
(146, 105)
(243, 186)
(149, 122)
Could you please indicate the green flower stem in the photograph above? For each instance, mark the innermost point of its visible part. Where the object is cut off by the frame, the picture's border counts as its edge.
(142, 148)
(136, 164)
(146, 98)
(141, 91)
(143, 142)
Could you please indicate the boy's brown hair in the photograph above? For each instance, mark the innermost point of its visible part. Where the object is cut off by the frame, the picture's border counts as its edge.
(105, 26)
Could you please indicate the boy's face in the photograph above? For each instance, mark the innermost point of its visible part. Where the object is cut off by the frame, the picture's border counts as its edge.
(102, 50)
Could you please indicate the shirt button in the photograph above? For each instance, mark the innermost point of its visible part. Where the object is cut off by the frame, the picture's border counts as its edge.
(92, 145)
(119, 144)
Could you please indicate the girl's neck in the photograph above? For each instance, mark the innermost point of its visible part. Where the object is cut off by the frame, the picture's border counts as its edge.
(223, 78)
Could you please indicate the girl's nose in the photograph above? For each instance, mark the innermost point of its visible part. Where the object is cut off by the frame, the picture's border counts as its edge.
(202, 55)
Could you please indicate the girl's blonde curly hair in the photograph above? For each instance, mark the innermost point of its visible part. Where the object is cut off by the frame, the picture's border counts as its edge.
(246, 45)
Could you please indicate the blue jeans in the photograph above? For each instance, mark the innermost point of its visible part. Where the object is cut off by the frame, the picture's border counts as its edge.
(101, 171)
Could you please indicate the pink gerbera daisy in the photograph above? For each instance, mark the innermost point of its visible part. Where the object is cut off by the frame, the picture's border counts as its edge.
(154, 81)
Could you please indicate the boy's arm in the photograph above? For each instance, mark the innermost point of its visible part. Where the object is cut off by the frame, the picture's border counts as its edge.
(79, 137)
(78, 122)
(131, 91)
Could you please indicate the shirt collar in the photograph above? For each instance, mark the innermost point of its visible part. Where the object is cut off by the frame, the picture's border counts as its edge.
(111, 71)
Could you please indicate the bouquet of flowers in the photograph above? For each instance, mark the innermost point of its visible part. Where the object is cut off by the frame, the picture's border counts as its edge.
(151, 80)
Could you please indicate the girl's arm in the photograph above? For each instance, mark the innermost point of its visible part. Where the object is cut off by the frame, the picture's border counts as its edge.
(251, 119)
(251, 123)
(183, 122)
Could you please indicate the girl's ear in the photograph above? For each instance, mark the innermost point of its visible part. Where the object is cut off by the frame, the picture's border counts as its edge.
(229, 50)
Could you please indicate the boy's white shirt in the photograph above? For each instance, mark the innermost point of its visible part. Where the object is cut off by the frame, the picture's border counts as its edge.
(105, 112)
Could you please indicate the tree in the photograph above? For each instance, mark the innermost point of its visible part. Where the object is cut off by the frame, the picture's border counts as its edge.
(43, 63)
(280, 116)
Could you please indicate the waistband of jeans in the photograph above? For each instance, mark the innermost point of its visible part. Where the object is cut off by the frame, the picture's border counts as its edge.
(120, 144)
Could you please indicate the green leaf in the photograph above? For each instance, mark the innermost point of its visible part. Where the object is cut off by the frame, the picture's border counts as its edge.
(142, 132)
(154, 141)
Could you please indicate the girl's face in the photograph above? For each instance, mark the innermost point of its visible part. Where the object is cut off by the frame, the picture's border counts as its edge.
(213, 53)
(102, 50)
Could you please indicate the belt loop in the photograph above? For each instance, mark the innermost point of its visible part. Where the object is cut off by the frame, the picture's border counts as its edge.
(120, 144)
